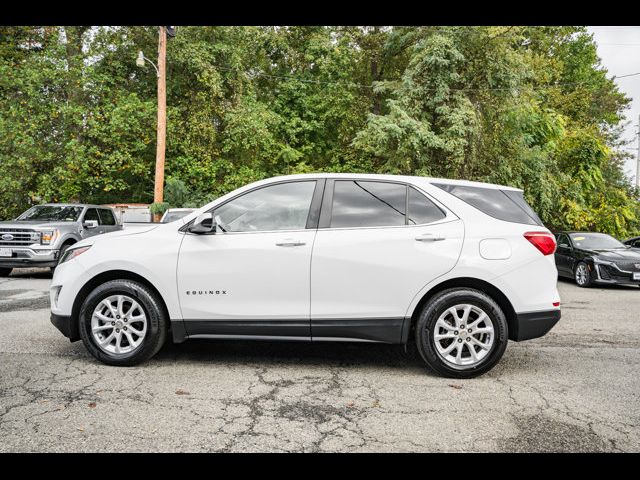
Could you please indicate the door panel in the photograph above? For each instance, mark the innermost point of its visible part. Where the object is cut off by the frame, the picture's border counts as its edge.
(564, 256)
(374, 273)
(236, 277)
(251, 278)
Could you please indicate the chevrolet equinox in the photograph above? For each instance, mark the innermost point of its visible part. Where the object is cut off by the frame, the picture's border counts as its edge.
(457, 267)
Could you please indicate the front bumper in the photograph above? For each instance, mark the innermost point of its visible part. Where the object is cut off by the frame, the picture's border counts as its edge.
(68, 328)
(533, 324)
(610, 273)
(30, 257)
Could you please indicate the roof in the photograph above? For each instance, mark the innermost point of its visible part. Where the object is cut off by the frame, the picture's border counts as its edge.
(90, 205)
(403, 178)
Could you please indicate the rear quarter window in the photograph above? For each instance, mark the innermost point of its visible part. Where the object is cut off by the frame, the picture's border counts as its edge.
(506, 205)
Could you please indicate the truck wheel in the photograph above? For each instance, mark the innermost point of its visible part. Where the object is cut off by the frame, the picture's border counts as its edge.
(583, 275)
(5, 272)
(123, 323)
(461, 333)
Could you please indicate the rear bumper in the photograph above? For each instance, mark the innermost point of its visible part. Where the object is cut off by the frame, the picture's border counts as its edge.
(534, 324)
(68, 328)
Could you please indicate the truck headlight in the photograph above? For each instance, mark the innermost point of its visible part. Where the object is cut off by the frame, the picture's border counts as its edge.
(73, 253)
(47, 237)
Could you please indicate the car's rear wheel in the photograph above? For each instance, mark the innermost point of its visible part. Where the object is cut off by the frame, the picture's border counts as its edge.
(583, 275)
(123, 323)
(5, 272)
(461, 333)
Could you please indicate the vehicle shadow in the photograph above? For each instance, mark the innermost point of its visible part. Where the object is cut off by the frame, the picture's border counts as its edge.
(290, 353)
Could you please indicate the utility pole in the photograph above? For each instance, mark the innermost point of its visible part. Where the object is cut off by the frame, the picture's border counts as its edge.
(158, 190)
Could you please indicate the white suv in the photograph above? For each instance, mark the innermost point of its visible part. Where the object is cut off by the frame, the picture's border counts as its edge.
(457, 267)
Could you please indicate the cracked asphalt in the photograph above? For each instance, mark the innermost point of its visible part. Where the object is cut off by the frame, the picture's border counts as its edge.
(576, 389)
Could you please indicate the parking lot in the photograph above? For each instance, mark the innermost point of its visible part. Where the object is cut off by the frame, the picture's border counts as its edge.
(576, 389)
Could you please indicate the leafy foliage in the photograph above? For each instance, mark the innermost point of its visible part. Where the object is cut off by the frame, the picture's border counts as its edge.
(529, 107)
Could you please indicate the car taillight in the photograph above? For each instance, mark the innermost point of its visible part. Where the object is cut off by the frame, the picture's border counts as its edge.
(543, 241)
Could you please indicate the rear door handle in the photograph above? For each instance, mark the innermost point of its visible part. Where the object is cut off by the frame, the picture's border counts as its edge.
(290, 242)
(427, 237)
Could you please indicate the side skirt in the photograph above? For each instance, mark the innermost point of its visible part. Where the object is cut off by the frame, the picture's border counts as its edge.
(379, 330)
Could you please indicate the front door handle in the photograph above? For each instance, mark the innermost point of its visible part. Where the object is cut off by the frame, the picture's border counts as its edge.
(290, 242)
(427, 237)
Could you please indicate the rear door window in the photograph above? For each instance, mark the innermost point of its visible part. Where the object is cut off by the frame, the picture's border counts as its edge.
(422, 210)
(368, 204)
(507, 205)
(106, 217)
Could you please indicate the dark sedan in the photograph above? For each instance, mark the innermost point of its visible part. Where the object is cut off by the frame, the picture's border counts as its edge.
(591, 258)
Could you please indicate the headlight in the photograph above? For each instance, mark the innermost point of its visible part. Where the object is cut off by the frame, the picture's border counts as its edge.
(47, 237)
(73, 253)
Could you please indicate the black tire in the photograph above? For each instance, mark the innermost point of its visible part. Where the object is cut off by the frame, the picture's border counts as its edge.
(589, 280)
(157, 322)
(436, 307)
(63, 249)
(5, 272)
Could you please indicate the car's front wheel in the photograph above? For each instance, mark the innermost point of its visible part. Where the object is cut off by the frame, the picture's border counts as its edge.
(5, 272)
(123, 323)
(583, 275)
(461, 333)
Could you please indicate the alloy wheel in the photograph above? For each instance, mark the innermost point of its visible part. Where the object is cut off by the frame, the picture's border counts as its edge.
(118, 325)
(581, 274)
(463, 335)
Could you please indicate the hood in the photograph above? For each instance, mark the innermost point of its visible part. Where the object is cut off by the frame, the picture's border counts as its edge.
(36, 224)
(630, 255)
(118, 233)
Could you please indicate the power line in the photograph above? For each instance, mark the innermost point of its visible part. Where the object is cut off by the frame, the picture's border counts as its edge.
(628, 75)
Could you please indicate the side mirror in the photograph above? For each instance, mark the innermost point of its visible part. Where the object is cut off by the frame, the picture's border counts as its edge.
(204, 223)
(90, 224)
(563, 245)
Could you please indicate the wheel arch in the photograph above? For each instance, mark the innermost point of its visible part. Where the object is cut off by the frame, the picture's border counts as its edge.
(101, 278)
(468, 282)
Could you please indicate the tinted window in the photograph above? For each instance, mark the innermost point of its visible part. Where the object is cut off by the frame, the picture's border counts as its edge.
(368, 204)
(495, 203)
(562, 238)
(107, 217)
(518, 199)
(636, 244)
(92, 214)
(421, 209)
(277, 207)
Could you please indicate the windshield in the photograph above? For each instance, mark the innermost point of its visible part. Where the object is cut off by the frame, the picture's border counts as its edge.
(595, 241)
(51, 213)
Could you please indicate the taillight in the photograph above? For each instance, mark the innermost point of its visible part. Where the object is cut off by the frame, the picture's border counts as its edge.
(543, 241)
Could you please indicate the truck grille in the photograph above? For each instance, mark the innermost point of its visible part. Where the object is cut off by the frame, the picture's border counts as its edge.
(16, 237)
